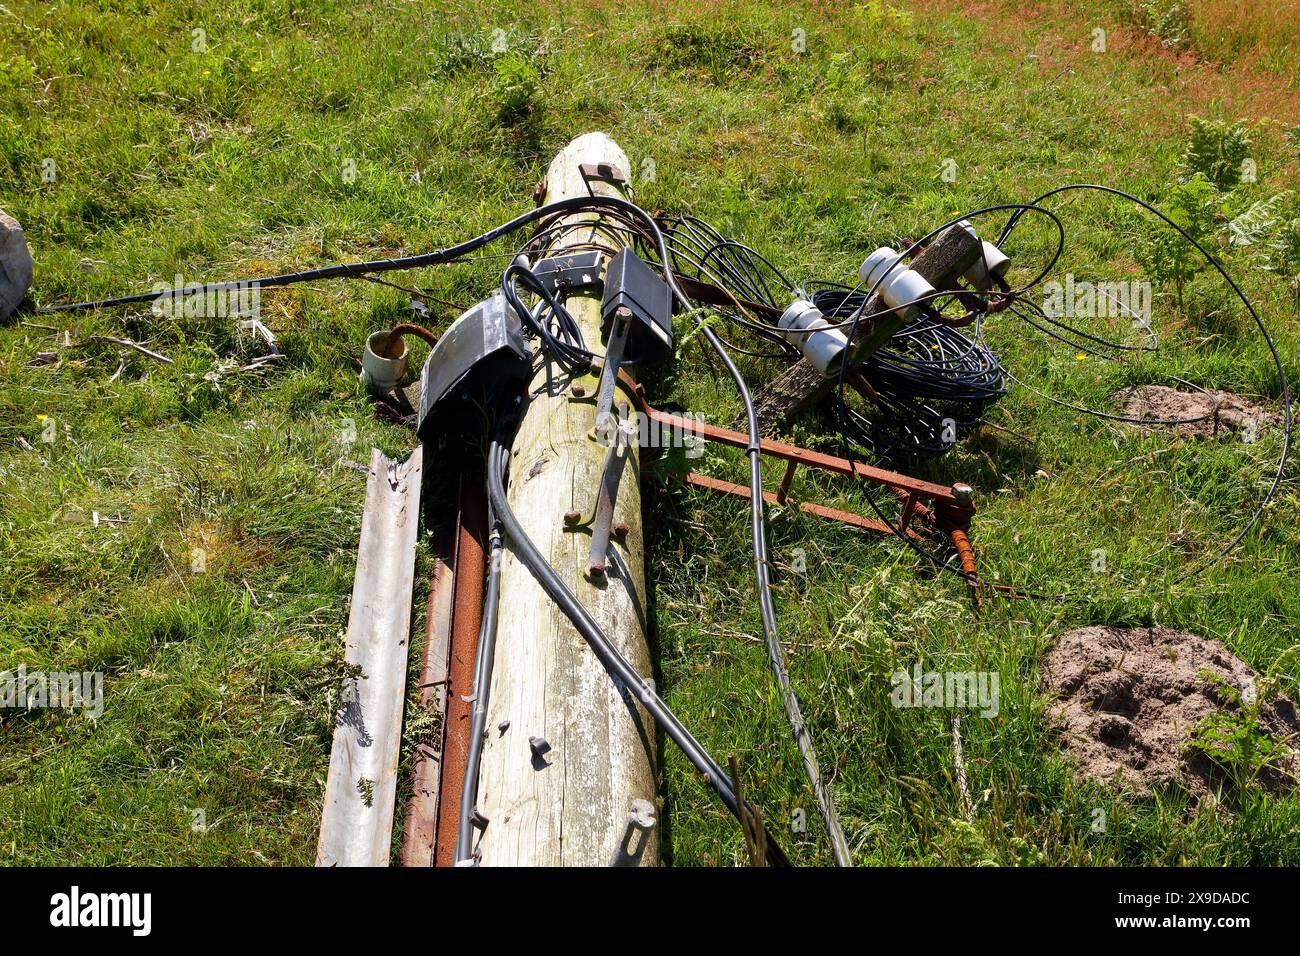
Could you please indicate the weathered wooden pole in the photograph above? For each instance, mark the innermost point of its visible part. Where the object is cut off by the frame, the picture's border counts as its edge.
(567, 774)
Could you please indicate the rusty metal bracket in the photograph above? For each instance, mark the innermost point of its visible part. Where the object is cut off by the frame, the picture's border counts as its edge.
(606, 495)
(944, 509)
(603, 173)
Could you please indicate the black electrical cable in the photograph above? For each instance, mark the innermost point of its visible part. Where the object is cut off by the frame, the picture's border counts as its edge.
(1035, 206)
(485, 656)
(1259, 324)
(775, 652)
(1110, 416)
(758, 536)
(618, 667)
(353, 270)
(553, 325)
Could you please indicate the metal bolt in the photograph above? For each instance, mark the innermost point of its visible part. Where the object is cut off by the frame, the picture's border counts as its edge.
(572, 517)
(620, 530)
(578, 389)
(963, 493)
(643, 814)
(503, 726)
(596, 572)
(539, 746)
(635, 834)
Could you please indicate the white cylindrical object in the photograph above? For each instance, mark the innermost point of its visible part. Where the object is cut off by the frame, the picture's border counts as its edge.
(992, 264)
(805, 327)
(900, 287)
(378, 371)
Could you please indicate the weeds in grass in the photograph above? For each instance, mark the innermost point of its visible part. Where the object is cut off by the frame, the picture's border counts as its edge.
(720, 52)
(1216, 151)
(1166, 20)
(1234, 738)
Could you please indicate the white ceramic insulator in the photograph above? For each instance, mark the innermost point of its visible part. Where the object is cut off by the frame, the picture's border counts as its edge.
(993, 263)
(806, 328)
(900, 285)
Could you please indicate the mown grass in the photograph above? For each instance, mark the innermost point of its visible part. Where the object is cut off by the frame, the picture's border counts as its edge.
(231, 163)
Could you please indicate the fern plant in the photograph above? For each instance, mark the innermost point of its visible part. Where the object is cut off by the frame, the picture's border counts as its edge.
(1235, 739)
(1218, 151)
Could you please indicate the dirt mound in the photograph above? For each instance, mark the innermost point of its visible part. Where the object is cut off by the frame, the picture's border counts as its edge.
(1161, 403)
(1128, 702)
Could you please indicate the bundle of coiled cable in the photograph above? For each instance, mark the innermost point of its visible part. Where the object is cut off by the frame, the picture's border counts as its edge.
(928, 383)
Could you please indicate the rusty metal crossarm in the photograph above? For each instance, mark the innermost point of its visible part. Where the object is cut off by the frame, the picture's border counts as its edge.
(949, 511)
(821, 511)
(941, 495)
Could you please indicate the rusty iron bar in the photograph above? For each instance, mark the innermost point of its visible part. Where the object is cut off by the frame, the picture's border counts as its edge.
(467, 616)
(955, 522)
(783, 491)
(821, 511)
(421, 827)
(966, 553)
(909, 508)
(941, 495)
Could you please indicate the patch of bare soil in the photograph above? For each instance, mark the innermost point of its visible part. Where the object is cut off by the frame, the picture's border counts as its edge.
(1161, 403)
(1129, 700)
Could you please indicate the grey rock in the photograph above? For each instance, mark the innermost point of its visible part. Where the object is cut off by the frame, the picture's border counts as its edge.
(15, 265)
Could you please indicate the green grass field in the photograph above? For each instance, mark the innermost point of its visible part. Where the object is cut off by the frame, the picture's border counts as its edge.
(144, 139)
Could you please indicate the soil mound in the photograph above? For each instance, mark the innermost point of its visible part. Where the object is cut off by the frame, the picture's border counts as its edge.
(1161, 403)
(1129, 701)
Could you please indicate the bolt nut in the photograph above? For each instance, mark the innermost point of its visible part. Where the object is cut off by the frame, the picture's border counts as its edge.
(578, 389)
(539, 746)
(620, 530)
(572, 517)
(596, 572)
(643, 815)
(963, 493)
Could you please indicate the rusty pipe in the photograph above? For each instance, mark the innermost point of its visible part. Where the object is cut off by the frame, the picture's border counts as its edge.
(467, 616)
(421, 827)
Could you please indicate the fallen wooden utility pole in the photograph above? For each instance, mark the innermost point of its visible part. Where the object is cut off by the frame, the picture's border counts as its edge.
(801, 386)
(567, 774)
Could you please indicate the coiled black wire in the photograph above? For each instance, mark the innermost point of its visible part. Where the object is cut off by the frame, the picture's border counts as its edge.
(931, 383)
